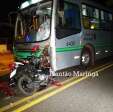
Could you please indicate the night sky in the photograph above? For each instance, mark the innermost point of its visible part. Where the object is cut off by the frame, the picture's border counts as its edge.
(7, 6)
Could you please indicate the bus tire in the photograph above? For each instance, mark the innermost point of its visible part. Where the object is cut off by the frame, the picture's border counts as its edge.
(85, 59)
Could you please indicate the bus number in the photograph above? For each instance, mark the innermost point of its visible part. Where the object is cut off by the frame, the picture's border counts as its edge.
(70, 43)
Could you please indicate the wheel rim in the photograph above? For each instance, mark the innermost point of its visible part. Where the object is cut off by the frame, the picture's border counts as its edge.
(85, 58)
(24, 86)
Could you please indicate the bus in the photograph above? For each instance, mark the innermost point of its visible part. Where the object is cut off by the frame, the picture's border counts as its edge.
(76, 32)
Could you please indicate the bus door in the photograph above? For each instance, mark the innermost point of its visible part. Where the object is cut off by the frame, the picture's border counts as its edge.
(68, 33)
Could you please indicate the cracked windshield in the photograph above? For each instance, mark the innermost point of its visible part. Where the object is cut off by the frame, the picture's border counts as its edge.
(33, 24)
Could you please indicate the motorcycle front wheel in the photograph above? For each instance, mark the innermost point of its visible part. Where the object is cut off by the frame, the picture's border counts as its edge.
(24, 85)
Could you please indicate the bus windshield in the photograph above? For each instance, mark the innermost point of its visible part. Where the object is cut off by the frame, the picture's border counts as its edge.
(34, 24)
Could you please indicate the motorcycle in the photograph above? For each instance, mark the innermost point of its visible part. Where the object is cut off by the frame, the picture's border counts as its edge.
(32, 74)
(15, 67)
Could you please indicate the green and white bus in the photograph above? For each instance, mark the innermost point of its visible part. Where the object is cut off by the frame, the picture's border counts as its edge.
(74, 31)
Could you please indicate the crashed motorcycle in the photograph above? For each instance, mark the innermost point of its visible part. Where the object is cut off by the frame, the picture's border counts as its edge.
(31, 74)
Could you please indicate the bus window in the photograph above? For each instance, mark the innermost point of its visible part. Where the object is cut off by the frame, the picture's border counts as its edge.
(85, 21)
(19, 28)
(110, 17)
(90, 17)
(102, 15)
(94, 23)
(85, 18)
(102, 20)
(84, 10)
(107, 25)
(36, 23)
(105, 21)
(71, 16)
(96, 13)
(68, 20)
(110, 21)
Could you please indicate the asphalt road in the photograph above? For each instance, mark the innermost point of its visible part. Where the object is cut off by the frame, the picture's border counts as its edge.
(87, 95)
(90, 95)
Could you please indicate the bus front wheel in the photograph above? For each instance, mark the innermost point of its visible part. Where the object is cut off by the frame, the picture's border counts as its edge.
(85, 58)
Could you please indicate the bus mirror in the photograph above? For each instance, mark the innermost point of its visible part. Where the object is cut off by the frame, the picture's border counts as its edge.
(61, 5)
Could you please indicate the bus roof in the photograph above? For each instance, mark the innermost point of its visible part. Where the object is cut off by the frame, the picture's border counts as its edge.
(33, 3)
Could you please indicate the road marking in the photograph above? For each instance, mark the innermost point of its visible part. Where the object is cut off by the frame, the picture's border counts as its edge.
(40, 99)
(26, 99)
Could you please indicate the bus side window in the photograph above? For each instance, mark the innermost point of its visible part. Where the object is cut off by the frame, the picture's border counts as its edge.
(19, 28)
(102, 20)
(85, 18)
(110, 21)
(85, 21)
(94, 20)
(68, 20)
(90, 17)
(72, 16)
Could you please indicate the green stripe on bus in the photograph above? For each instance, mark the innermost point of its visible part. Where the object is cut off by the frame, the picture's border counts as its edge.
(65, 49)
(76, 48)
